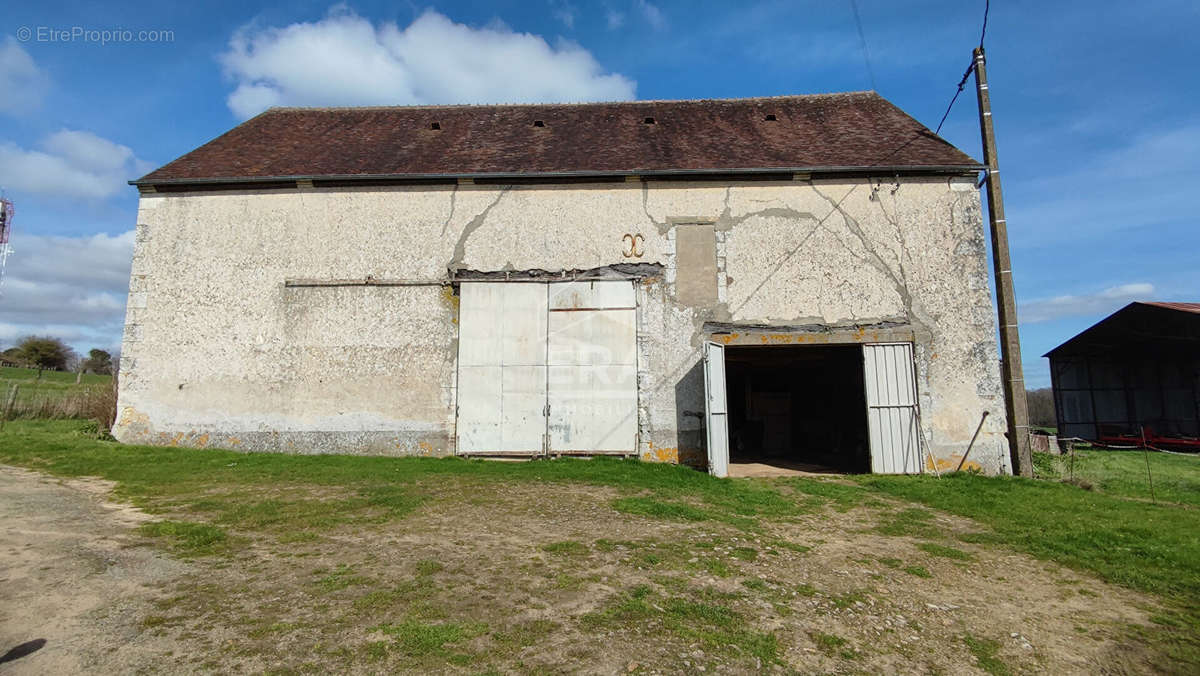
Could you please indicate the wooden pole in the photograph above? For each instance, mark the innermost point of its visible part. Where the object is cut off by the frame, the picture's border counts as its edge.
(975, 436)
(1146, 451)
(1010, 341)
(12, 398)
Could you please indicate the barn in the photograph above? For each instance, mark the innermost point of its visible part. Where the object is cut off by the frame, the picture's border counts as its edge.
(796, 281)
(1134, 372)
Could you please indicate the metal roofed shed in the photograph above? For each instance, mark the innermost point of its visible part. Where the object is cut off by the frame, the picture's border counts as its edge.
(1135, 372)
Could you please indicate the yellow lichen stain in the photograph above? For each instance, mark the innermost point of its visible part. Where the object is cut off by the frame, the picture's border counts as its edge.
(176, 439)
(201, 441)
(729, 338)
(424, 449)
(233, 441)
(660, 454)
(449, 298)
(951, 463)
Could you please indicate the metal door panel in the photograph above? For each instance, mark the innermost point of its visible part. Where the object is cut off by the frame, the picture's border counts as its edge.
(592, 295)
(892, 419)
(522, 408)
(715, 409)
(502, 372)
(479, 397)
(593, 408)
(593, 337)
(523, 324)
(592, 356)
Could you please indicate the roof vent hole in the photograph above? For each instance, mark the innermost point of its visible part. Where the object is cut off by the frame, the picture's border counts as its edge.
(649, 120)
(436, 126)
(770, 117)
(539, 123)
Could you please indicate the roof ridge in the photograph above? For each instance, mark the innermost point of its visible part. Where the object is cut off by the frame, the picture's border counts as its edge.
(452, 106)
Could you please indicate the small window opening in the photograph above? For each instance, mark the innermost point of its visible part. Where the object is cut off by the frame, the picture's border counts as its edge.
(436, 126)
(770, 117)
(649, 120)
(539, 123)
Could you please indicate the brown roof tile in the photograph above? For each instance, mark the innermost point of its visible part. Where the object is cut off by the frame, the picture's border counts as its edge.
(858, 130)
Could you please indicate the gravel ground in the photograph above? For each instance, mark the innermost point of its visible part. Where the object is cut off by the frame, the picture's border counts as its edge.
(75, 580)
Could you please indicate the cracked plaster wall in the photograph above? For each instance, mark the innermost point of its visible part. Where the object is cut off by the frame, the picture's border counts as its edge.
(218, 352)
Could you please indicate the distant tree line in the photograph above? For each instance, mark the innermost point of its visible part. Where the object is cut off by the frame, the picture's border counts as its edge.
(46, 353)
(1041, 407)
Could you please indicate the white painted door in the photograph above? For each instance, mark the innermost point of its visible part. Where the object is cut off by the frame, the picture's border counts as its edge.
(502, 368)
(592, 367)
(715, 409)
(892, 408)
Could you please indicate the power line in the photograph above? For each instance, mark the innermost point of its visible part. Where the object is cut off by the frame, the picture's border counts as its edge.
(987, 5)
(862, 38)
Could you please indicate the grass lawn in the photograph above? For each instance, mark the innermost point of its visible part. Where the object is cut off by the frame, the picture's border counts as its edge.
(53, 385)
(1176, 477)
(647, 554)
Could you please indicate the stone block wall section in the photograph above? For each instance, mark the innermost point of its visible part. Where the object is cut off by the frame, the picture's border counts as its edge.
(218, 351)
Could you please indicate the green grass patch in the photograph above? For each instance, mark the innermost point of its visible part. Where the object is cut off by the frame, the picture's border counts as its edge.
(755, 584)
(744, 553)
(1133, 543)
(720, 628)
(843, 496)
(418, 639)
(427, 567)
(918, 571)
(944, 551)
(985, 650)
(194, 539)
(566, 547)
(833, 645)
(908, 522)
(340, 578)
(1176, 478)
(849, 598)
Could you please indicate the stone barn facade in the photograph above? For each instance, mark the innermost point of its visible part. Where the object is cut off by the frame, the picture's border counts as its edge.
(794, 280)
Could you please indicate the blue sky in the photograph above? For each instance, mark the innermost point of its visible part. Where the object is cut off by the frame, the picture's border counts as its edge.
(1094, 110)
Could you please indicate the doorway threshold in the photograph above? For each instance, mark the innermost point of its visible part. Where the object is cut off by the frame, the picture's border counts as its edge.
(780, 468)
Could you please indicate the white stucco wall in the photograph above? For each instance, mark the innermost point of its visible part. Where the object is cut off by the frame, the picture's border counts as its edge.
(219, 352)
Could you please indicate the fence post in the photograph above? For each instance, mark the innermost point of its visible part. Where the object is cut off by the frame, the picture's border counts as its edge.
(12, 398)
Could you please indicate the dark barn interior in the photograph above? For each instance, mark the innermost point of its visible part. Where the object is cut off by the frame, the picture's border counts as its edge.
(1135, 372)
(800, 407)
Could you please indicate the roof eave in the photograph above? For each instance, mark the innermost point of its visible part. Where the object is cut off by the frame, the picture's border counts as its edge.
(953, 169)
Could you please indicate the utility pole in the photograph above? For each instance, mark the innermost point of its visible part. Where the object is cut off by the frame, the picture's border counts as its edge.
(1006, 305)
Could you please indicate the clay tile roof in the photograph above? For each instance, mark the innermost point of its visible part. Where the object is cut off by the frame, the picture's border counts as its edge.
(821, 132)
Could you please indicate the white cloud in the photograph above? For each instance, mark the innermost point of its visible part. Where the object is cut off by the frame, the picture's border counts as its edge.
(344, 59)
(22, 83)
(652, 14)
(71, 164)
(614, 19)
(564, 12)
(1099, 303)
(70, 287)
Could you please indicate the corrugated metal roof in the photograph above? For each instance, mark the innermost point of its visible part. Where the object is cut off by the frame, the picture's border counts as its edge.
(1183, 307)
(858, 130)
(1137, 321)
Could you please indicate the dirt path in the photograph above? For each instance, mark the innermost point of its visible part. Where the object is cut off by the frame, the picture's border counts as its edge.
(74, 585)
(541, 577)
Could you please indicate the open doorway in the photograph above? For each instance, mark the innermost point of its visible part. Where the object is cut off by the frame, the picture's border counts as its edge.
(798, 407)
